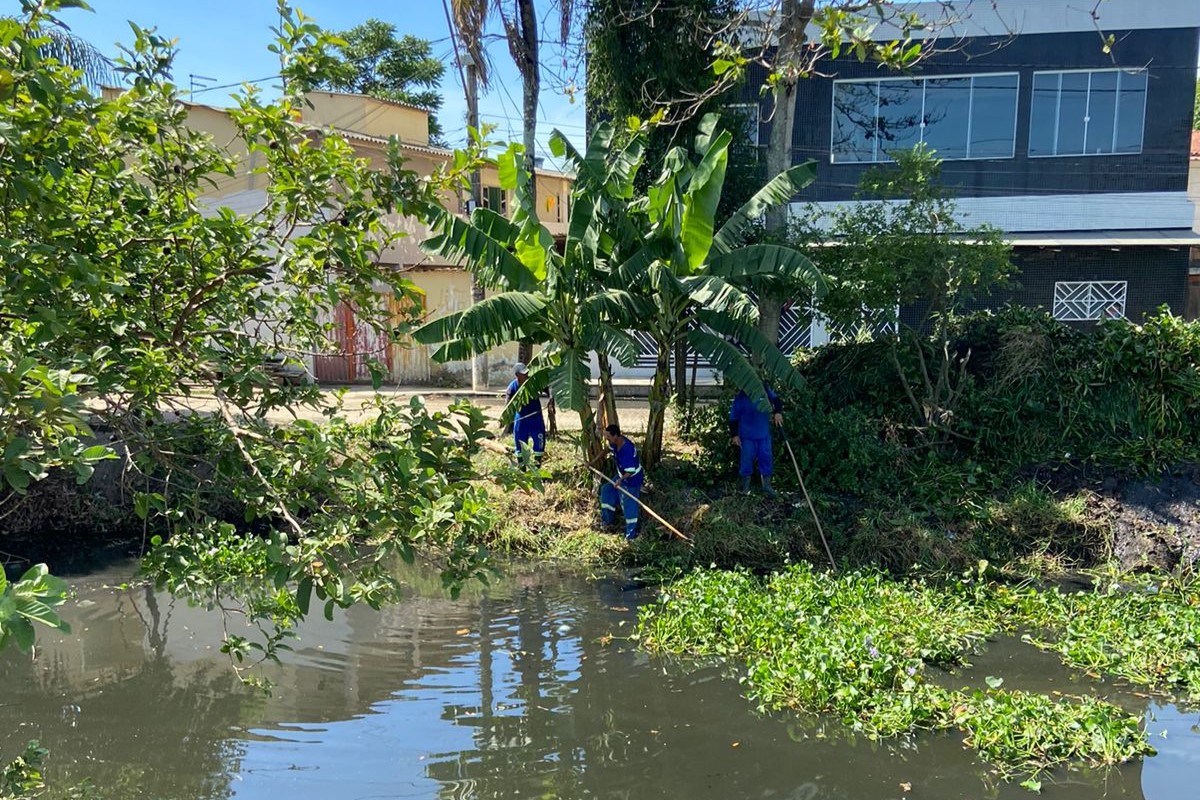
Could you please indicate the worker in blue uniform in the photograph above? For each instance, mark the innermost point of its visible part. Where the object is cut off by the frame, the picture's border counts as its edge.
(629, 477)
(750, 427)
(529, 428)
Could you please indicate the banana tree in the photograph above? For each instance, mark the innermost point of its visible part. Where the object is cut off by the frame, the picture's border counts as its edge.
(700, 280)
(560, 300)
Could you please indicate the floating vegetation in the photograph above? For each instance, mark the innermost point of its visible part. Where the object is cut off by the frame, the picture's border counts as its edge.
(1142, 629)
(864, 647)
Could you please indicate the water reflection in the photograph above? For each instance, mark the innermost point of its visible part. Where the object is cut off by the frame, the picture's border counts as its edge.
(517, 693)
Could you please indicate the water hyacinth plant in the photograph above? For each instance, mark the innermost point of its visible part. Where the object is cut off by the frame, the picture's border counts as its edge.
(1141, 629)
(864, 648)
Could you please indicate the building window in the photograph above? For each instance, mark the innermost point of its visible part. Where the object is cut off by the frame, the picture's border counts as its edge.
(959, 116)
(1097, 112)
(1089, 301)
(495, 199)
(748, 113)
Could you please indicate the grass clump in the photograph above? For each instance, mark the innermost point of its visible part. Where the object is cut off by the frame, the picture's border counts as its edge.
(866, 648)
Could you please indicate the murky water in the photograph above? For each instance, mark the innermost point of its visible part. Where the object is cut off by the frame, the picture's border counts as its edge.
(517, 693)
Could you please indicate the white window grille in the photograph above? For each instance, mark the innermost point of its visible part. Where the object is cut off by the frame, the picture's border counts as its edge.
(1087, 301)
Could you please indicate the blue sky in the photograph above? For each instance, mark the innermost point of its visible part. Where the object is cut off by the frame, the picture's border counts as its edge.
(226, 40)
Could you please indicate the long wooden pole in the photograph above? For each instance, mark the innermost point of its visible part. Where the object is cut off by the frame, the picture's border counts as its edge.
(811, 507)
(638, 500)
(496, 447)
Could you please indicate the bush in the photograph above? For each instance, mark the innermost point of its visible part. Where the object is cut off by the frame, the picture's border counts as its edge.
(1036, 394)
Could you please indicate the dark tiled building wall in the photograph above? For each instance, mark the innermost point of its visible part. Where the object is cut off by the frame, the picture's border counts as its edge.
(1155, 276)
(1162, 166)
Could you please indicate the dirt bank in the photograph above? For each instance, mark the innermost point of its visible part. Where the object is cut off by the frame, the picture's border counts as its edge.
(1153, 523)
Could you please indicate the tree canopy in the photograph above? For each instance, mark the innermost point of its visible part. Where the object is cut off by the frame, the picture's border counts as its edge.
(137, 313)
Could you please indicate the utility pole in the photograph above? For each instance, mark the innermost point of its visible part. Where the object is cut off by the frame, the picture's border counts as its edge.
(479, 364)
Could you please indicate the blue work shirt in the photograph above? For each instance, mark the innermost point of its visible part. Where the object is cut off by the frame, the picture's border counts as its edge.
(748, 421)
(528, 412)
(628, 465)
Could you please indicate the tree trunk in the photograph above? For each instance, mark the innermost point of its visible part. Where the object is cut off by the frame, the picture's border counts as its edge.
(652, 449)
(608, 397)
(523, 43)
(479, 364)
(794, 18)
(590, 443)
(679, 383)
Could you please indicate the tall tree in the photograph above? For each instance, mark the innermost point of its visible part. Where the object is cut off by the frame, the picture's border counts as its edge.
(791, 53)
(521, 31)
(377, 62)
(699, 276)
(682, 57)
(558, 298)
(646, 56)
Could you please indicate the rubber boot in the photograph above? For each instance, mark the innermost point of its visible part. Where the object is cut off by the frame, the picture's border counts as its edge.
(767, 490)
(746, 484)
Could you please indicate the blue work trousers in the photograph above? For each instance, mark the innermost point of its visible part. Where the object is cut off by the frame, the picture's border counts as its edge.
(610, 499)
(530, 433)
(756, 450)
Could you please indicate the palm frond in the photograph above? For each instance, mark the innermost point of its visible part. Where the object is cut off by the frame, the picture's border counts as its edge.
(615, 342)
(569, 379)
(721, 296)
(539, 378)
(617, 306)
(489, 259)
(780, 189)
(777, 261)
(701, 201)
(774, 362)
(732, 363)
(71, 51)
(492, 321)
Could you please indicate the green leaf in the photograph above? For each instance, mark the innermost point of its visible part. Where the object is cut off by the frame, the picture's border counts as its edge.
(97, 453)
(17, 478)
(615, 342)
(780, 189)
(770, 260)
(535, 384)
(701, 201)
(491, 261)
(304, 595)
(1032, 785)
(501, 318)
(737, 370)
(569, 380)
(774, 363)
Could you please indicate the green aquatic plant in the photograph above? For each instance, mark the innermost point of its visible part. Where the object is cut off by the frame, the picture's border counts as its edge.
(1143, 630)
(866, 649)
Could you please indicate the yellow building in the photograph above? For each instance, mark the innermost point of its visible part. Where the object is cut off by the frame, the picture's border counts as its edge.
(367, 123)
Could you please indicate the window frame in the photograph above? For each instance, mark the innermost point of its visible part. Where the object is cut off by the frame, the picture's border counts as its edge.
(923, 80)
(1088, 112)
(741, 108)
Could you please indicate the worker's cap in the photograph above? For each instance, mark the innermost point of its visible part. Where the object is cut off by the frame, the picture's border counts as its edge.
(519, 368)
